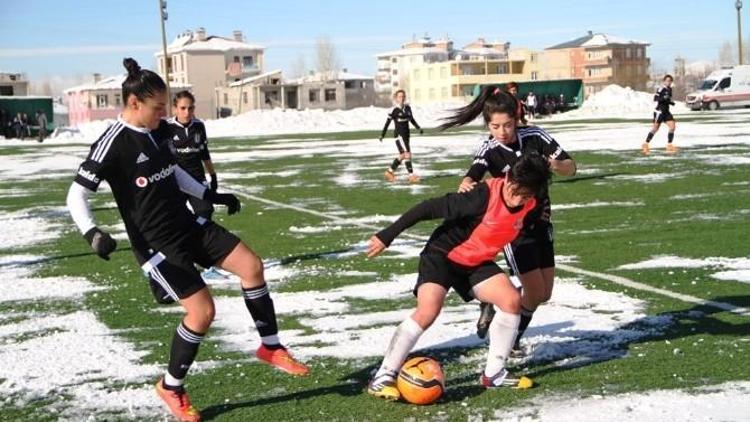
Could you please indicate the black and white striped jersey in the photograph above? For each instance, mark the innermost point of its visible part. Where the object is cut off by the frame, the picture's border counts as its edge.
(401, 117)
(663, 98)
(497, 158)
(139, 168)
(189, 145)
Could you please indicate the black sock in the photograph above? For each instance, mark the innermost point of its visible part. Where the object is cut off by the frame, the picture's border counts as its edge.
(185, 345)
(670, 137)
(526, 316)
(409, 168)
(649, 137)
(260, 305)
(395, 164)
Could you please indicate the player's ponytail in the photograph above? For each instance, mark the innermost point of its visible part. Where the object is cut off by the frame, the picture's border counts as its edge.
(140, 82)
(493, 99)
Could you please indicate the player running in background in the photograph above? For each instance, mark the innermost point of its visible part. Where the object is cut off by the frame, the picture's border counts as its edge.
(461, 255)
(512, 89)
(401, 116)
(663, 98)
(134, 158)
(531, 256)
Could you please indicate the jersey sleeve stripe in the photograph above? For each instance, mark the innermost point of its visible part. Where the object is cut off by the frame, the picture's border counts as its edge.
(106, 144)
(103, 137)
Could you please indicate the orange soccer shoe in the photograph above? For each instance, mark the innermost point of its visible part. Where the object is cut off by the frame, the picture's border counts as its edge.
(281, 359)
(178, 403)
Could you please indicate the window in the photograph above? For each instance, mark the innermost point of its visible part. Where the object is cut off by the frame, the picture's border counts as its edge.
(395, 71)
(394, 60)
(443, 72)
(533, 58)
(725, 83)
(534, 76)
(431, 93)
(348, 84)
(628, 53)
(118, 100)
(236, 59)
(395, 83)
(247, 62)
(444, 92)
(226, 99)
(244, 97)
(101, 100)
(330, 94)
(313, 95)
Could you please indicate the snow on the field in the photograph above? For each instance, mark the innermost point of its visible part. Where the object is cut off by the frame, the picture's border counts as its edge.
(560, 207)
(736, 269)
(27, 287)
(577, 322)
(26, 228)
(617, 101)
(724, 402)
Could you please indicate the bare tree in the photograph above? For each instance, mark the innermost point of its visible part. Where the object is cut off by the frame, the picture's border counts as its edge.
(299, 67)
(726, 55)
(327, 60)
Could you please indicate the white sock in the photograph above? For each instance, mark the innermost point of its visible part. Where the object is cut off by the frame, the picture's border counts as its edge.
(503, 331)
(403, 340)
(172, 381)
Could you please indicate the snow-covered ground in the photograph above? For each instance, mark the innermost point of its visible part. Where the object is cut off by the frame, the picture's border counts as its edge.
(613, 101)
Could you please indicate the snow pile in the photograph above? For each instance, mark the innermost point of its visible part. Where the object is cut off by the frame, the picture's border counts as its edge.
(735, 269)
(616, 101)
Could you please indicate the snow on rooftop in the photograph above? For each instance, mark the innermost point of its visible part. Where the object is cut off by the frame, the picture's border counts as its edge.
(600, 40)
(113, 82)
(190, 42)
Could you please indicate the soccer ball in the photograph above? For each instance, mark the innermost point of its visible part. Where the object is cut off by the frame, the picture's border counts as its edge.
(421, 380)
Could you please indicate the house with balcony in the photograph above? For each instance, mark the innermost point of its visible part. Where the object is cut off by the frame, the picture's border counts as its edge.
(477, 63)
(599, 60)
(99, 100)
(207, 62)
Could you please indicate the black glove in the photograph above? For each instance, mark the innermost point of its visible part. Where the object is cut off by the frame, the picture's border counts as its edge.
(671, 103)
(231, 201)
(214, 182)
(101, 242)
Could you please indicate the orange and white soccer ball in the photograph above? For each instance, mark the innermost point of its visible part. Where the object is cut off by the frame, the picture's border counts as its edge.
(421, 380)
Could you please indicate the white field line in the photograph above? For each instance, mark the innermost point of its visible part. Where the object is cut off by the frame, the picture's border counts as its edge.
(603, 276)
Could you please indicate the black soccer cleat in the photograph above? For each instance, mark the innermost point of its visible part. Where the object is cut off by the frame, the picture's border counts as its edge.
(487, 312)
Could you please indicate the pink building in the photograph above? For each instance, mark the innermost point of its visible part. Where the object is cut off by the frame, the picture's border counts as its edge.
(99, 100)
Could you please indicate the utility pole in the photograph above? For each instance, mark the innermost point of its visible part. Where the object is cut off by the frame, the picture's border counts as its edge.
(738, 6)
(163, 18)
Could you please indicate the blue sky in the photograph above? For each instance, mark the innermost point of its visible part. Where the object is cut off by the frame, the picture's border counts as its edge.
(78, 37)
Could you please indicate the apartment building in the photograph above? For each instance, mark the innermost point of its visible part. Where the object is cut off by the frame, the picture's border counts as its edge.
(393, 67)
(208, 62)
(599, 60)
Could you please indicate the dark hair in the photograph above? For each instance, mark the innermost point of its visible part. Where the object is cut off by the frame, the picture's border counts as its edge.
(668, 76)
(493, 99)
(140, 82)
(510, 85)
(531, 173)
(397, 92)
(183, 94)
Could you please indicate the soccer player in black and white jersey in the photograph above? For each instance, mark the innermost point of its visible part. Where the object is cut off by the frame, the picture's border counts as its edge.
(401, 116)
(189, 144)
(531, 255)
(663, 99)
(133, 157)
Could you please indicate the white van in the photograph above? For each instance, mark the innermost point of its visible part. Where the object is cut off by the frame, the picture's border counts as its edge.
(722, 88)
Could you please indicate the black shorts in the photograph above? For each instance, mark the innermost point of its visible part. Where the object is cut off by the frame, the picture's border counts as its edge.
(402, 143)
(662, 116)
(173, 266)
(531, 251)
(435, 267)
